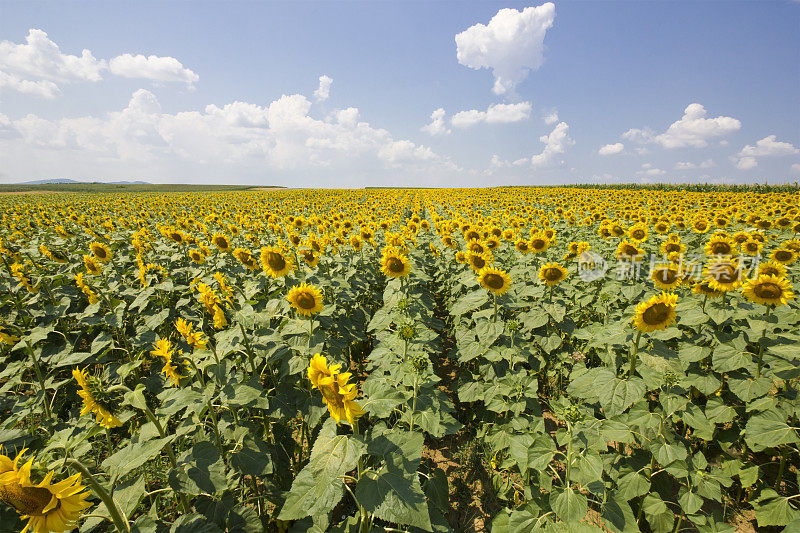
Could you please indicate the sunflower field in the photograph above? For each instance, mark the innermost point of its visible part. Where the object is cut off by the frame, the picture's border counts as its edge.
(386, 360)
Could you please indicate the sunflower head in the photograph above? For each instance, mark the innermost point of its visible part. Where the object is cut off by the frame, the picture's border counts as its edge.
(97, 399)
(275, 263)
(720, 245)
(771, 268)
(656, 313)
(627, 251)
(479, 261)
(93, 266)
(395, 264)
(100, 251)
(494, 280)
(768, 290)
(724, 274)
(246, 258)
(222, 242)
(666, 276)
(306, 299)
(784, 255)
(552, 274)
(197, 256)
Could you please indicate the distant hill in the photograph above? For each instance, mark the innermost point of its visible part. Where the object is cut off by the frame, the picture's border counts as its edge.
(67, 180)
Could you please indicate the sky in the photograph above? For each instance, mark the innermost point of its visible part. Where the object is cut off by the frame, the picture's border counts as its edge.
(442, 94)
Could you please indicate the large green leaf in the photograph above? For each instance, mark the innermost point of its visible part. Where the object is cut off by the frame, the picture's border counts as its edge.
(769, 430)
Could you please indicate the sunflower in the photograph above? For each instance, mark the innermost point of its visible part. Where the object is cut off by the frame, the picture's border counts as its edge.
(771, 268)
(476, 246)
(46, 505)
(318, 369)
(274, 263)
(310, 257)
(751, 246)
(539, 242)
(221, 242)
(93, 267)
(700, 225)
(479, 261)
(494, 280)
(720, 245)
(670, 246)
(723, 274)
(220, 321)
(702, 287)
(96, 400)
(627, 251)
(195, 339)
(656, 313)
(461, 257)
(522, 246)
(197, 256)
(552, 273)
(395, 264)
(306, 299)
(100, 251)
(666, 277)
(783, 255)
(246, 258)
(638, 233)
(768, 290)
(164, 349)
(337, 393)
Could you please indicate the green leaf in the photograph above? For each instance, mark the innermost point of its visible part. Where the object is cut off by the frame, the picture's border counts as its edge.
(469, 302)
(134, 455)
(318, 487)
(200, 471)
(728, 358)
(769, 430)
(618, 516)
(568, 505)
(661, 519)
(774, 510)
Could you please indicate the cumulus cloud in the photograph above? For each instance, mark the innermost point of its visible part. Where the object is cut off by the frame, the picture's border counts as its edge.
(324, 90)
(437, 125)
(688, 165)
(551, 117)
(151, 68)
(747, 158)
(511, 45)
(281, 135)
(38, 67)
(692, 130)
(494, 114)
(555, 143)
(611, 149)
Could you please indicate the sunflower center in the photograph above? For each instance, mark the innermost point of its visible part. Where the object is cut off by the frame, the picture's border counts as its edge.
(768, 291)
(638, 234)
(672, 247)
(630, 250)
(656, 314)
(523, 246)
(721, 248)
(99, 252)
(394, 264)
(783, 255)
(26, 500)
(493, 281)
(306, 300)
(666, 275)
(276, 261)
(552, 274)
(333, 396)
(537, 244)
(478, 262)
(727, 274)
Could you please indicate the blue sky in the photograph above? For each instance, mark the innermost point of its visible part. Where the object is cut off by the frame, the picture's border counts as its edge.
(225, 92)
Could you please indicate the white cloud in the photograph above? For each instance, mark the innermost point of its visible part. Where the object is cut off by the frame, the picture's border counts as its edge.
(747, 158)
(494, 114)
(511, 45)
(795, 169)
(324, 90)
(551, 117)
(43, 88)
(687, 165)
(555, 143)
(746, 163)
(611, 149)
(38, 67)
(649, 170)
(152, 68)
(436, 125)
(693, 129)
(237, 137)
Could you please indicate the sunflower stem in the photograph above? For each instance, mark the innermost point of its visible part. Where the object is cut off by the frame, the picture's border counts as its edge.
(184, 504)
(761, 344)
(494, 319)
(634, 354)
(364, 525)
(116, 515)
(249, 350)
(39, 376)
(414, 403)
(781, 469)
(310, 331)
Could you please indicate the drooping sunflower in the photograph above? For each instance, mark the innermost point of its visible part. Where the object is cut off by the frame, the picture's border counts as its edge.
(552, 273)
(172, 361)
(275, 263)
(395, 264)
(783, 255)
(494, 280)
(246, 258)
(724, 273)
(666, 277)
(656, 313)
(100, 251)
(47, 506)
(93, 266)
(195, 339)
(339, 396)
(318, 369)
(306, 299)
(768, 290)
(96, 400)
(222, 242)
